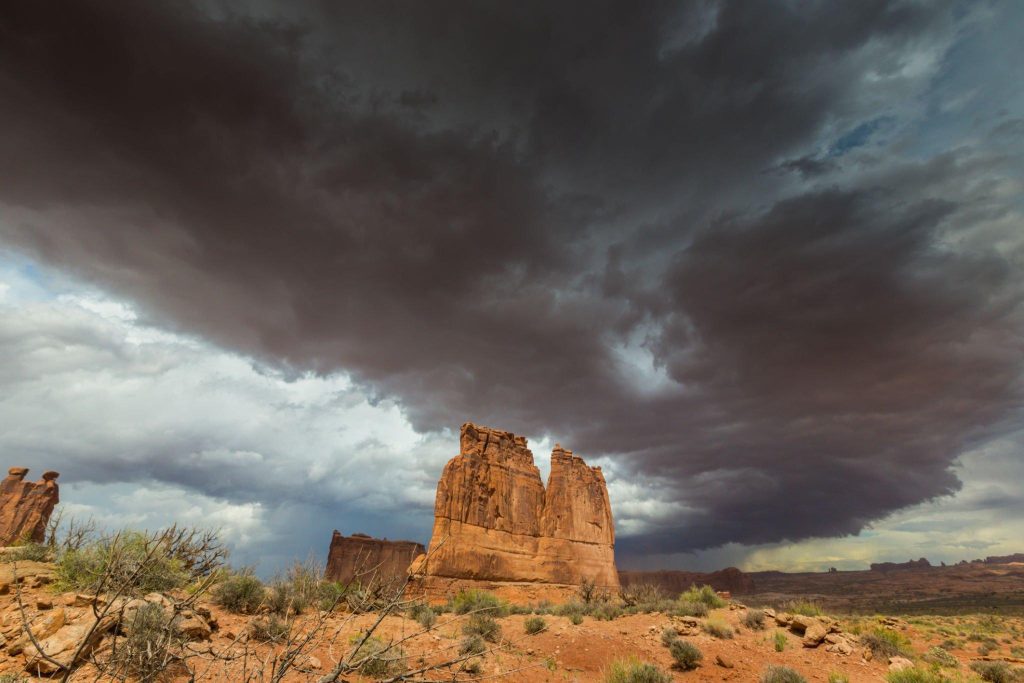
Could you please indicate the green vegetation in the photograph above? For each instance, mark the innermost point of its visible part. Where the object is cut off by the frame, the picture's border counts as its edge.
(606, 612)
(668, 634)
(378, 660)
(241, 593)
(534, 625)
(478, 601)
(271, 629)
(940, 657)
(838, 677)
(781, 674)
(718, 628)
(133, 561)
(997, 672)
(703, 594)
(915, 676)
(753, 619)
(482, 625)
(576, 619)
(885, 642)
(806, 608)
(147, 647)
(689, 608)
(472, 644)
(780, 641)
(632, 670)
(686, 655)
(30, 552)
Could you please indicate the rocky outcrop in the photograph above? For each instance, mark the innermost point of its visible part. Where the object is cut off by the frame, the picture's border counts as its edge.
(730, 579)
(495, 521)
(1005, 559)
(26, 506)
(922, 563)
(365, 559)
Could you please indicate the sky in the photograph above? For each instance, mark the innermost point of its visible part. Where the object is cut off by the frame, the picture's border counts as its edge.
(762, 262)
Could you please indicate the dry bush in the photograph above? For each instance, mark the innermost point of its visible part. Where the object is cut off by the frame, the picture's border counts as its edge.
(148, 647)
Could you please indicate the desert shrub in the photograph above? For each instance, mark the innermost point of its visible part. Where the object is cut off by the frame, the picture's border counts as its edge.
(130, 563)
(587, 591)
(29, 552)
(838, 677)
(474, 600)
(689, 608)
(472, 667)
(606, 612)
(576, 619)
(378, 660)
(520, 609)
(939, 656)
(12, 678)
(914, 676)
(686, 655)
(534, 625)
(571, 608)
(426, 618)
(781, 674)
(632, 670)
(641, 594)
(668, 634)
(885, 642)
(482, 625)
(996, 672)
(717, 628)
(780, 641)
(146, 650)
(271, 629)
(703, 594)
(330, 595)
(806, 608)
(472, 644)
(297, 589)
(753, 619)
(241, 593)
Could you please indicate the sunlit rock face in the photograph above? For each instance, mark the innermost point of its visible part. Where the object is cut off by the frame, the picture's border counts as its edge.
(26, 506)
(495, 521)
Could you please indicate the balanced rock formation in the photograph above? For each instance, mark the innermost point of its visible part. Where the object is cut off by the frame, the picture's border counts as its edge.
(26, 506)
(365, 559)
(495, 521)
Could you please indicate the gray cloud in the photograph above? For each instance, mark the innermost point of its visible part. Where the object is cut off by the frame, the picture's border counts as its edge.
(556, 218)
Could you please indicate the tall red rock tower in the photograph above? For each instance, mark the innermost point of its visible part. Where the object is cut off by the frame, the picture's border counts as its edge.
(495, 521)
(26, 506)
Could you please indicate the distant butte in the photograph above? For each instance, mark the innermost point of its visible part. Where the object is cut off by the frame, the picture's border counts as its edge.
(366, 560)
(494, 520)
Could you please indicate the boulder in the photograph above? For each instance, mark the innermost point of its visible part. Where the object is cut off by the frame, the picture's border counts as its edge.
(369, 560)
(814, 634)
(494, 520)
(44, 628)
(26, 506)
(24, 571)
(61, 648)
(900, 664)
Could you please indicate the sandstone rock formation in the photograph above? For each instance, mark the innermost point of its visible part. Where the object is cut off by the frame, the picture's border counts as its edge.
(495, 521)
(25, 506)
(729, 579)
(365, 559)
(922, 563)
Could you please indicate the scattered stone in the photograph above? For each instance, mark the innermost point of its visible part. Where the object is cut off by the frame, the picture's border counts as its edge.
(44, 604)
(724, 662)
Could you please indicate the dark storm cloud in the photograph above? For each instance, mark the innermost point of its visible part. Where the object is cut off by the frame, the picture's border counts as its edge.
(496, 211)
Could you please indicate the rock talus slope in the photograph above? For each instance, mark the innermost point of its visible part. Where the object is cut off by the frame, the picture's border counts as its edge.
(495, 521)
(26, 506)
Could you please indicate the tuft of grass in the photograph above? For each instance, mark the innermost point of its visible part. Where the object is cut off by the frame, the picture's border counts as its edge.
(781, 674)
(838, 677)
(668, 634)
(378, 659)
(807, 608)
(703, 594)
(689, 608)
(482, 625)
(996, 672)
(475, 600)
(534, 625)
(780, 641)
(686, 655)
(718, 628)
(915, 676)
(472, 644)
(426, 618)
(940, 657)
(753, 619)
(241, 593)
(576, 619)
(632, 670)
(885, 642)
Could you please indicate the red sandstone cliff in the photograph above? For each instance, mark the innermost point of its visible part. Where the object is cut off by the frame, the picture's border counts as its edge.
(495, 521)
(25, 506)
(365, 559)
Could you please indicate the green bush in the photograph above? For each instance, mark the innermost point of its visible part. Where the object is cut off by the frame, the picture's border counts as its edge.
(996, 672)
(781, 674)
(571, 609)
(686, 655)
(939, 656)
(703, 594)
(270, 629)
(472, 644)
(474, 600)
(482, 625)
(378, 660)
(426, 618)
(534, 625)
(915, 676)
(885, 642)
(780, 641)
(576, 619)
(330, 595)
(130, 563)
(472, 667)
(632, 670)
(806, 608)
(668, 634)
(146, 650)
(689, 608)
(30, 552)
(718, 628)
(606, 612)
(753, 619)
(241, 593)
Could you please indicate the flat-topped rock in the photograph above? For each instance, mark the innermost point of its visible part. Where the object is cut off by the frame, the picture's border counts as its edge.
(495, 521)
(26, 506)
(364, 559)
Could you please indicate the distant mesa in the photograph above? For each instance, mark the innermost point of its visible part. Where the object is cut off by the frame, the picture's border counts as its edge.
(922, 563)
(730, 580)
(365, 560)
(26, 506)
(494, 520)
(1005, 559)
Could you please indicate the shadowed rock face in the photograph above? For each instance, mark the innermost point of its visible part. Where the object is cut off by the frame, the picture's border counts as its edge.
(366, 560)
(26, 506)
(494, 520)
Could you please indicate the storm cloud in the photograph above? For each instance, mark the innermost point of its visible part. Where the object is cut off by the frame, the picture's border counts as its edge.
(716, 246)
